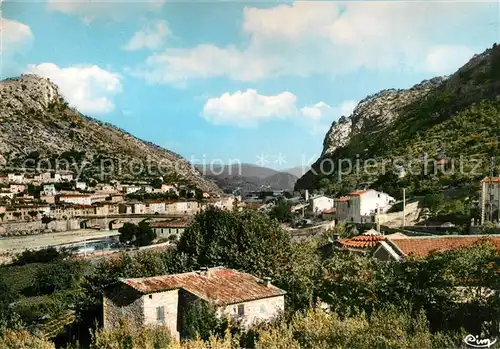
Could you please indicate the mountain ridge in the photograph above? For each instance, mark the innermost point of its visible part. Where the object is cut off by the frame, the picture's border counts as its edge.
(38, 126)
(425, 120)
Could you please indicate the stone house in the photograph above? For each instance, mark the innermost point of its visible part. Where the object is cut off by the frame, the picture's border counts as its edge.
(170, 228)
(155, 206)
(490, 199)
(163, 299)
(182, 207)
(17, 188)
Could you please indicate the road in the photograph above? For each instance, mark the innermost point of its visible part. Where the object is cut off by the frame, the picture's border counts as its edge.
(17, 244)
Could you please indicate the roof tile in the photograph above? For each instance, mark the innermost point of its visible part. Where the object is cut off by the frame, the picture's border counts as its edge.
(220, 286)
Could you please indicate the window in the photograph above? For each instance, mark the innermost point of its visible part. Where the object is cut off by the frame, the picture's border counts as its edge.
(160, 315)
(241, 309)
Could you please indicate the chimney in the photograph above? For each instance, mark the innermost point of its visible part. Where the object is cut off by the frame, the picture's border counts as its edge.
(204, 271)
(266, 281)
(307, 195)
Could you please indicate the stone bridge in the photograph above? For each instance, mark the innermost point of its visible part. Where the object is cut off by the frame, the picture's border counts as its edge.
(113, 222)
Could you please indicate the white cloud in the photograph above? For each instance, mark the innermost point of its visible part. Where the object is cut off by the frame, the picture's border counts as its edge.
(90, 89)
(319, 116)
(307, 38)
(149, 37)
(15, 35)
(249, 109)
(443, 58)
(89, 11)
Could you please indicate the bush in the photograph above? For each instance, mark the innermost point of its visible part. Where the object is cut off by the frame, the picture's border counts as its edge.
(126, 336)
(23, 340)
(46, 255)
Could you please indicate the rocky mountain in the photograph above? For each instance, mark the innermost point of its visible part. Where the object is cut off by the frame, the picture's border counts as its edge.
(39, 129)
(248, 177)
(444, 118)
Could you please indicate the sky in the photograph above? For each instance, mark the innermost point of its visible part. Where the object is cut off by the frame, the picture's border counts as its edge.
(226, 81)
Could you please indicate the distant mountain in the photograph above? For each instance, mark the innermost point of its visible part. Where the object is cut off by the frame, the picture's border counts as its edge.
(248, 177)
(241, 170)
(38, 127)
(298, 171)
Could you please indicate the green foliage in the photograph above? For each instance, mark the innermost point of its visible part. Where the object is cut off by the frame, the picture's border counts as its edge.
(199, 320)
(157, 183)
(59, 276)
(46, 255)
(282, 212)
(126, 336)
(138, 235)
(23, 340)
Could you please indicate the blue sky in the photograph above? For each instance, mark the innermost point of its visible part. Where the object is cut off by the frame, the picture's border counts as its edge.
(254, 81)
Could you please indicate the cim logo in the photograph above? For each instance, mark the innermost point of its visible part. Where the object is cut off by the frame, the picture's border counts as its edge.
(476, 342)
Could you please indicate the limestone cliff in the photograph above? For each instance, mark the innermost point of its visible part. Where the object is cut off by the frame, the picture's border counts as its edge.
(37, 124)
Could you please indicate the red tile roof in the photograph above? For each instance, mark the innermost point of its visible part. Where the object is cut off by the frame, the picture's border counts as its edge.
(343, 199)
(358, 192)
(491, 180)
(220, 286)
(422, 247)
(362, 241)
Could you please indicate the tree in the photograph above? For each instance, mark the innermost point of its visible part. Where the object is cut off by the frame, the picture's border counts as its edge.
(157, 183)
(59, 276)
(33, 214)
(198, 194)
(17, 214)
(282, 211)
(198, 319)
(144, 235)
(128, 232)
(2, 215)
(138, 235)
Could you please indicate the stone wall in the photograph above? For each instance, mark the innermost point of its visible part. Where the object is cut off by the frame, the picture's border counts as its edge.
(37, 227)
(170, 301)
(122, 302)
(256, 311)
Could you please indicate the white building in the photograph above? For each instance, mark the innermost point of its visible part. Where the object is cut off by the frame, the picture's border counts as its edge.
(129, 189)
(81, 185)
(49, 190)
(82, 199)
(15, 178)
(155, 206)
(320, 203)
(17, 188)
(362, 205)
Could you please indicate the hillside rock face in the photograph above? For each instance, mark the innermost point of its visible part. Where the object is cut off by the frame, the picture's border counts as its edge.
(38, 127)
(406, 122)
(381, 108)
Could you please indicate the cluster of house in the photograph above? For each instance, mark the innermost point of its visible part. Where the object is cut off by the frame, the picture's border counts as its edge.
(359, 206)
(101, 199)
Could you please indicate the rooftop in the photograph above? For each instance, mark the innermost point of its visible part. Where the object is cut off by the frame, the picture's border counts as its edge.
(423, 246)
(219, 285)
(491, 180)
(366, 240)
(358, 192)
(343, 199)
(178, 223)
